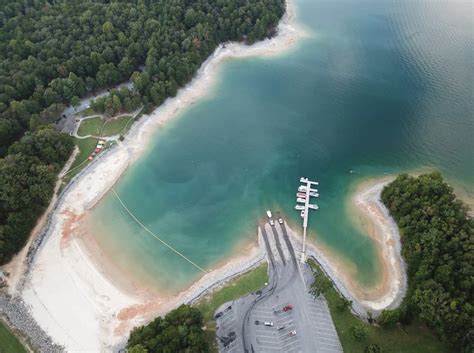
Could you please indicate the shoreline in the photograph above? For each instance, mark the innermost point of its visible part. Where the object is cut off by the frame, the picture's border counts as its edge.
(86, 310)
(370, 214)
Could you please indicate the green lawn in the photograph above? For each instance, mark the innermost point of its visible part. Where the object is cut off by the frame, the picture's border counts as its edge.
(86, 112)
(86, 147)
(242, 285)
(116, 126)
(8, 341)
(413, 338)
(90, 126)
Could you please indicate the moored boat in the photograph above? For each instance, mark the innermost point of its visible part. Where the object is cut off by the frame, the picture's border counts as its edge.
(302, 214)
(313, 207)
(314, 194)
(299, 199)
(299, 207)
(301, 194)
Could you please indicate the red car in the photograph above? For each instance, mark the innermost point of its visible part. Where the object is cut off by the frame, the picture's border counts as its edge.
(288, 308)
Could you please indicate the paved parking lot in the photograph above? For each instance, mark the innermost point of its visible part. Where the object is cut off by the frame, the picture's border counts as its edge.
(307, 327)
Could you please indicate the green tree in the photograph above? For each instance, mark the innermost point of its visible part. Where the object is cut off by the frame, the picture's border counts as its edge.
(321, 284)
(343, 304)
(75, 101)
(389, 318)
(359, 332)
(179, 331)
(373, 348)
(137, 349)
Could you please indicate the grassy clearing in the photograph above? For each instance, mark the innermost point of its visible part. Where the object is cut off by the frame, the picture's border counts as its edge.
(90, 126)
(86, 112)
(8, 341)
(86, 147)
(242, 285)
(413, 338)
(116, 126)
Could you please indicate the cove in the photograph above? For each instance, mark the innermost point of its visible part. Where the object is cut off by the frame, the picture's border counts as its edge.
(380, 87)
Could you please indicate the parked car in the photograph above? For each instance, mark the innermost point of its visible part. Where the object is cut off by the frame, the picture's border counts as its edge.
(218, 315)
(280, 220)
(288, 308)
(293, 333)
(266, 323)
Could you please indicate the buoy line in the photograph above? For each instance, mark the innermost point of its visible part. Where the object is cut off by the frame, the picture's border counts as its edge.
(155, 236)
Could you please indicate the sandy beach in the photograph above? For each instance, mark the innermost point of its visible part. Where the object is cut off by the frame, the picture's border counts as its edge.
(83, 306)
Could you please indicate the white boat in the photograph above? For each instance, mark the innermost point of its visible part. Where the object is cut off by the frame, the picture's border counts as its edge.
(302, 214)
(313, 190)
(313, 207)
(314, 194)
(299, 199)
(301, 194)
(302, 188)
(269, 214)
(299, 207)
(303, 180)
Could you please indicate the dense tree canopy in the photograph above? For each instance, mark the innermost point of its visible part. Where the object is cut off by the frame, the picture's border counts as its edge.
(119, 100)
(438, 246)
(52, 52)
(27, 178)
(180, 331)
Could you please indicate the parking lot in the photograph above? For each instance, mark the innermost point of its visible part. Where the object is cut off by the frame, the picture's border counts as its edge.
(283, 316)
(282, 336)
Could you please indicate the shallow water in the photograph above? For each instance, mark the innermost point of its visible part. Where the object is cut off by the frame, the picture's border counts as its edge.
(380, 87)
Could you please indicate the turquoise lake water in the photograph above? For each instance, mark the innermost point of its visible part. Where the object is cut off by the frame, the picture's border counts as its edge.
(379, 87)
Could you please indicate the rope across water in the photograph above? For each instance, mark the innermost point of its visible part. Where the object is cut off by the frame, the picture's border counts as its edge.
(156, 236)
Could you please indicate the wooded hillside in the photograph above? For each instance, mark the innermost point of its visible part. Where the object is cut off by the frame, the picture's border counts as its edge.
(53, 52)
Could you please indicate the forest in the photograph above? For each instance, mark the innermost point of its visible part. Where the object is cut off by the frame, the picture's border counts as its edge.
(179, 331)
(438, 246)
(117, 100)
(52, 53)
(27, 178)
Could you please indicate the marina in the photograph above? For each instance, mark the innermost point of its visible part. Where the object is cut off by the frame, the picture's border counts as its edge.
(304, 214)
